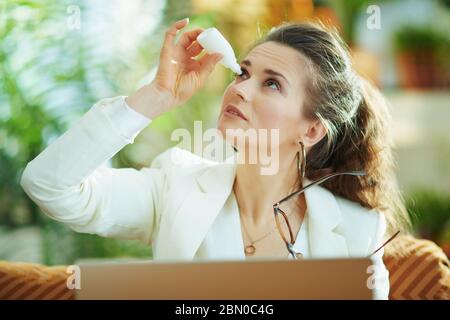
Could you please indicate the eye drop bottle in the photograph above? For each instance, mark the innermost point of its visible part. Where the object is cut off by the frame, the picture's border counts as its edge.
(214, 42)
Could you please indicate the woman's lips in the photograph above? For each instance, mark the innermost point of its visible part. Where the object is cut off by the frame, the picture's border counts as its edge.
(234, 112)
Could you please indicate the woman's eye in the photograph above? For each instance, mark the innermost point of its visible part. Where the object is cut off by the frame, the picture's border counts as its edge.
(273, 84)
(243, 75)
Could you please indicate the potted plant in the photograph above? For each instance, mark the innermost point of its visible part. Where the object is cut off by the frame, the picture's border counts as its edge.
(421, 56)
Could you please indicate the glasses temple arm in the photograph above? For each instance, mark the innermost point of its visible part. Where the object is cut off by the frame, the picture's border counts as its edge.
(353, 173)
(384, 244)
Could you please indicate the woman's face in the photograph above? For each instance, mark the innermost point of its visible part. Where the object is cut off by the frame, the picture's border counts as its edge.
(269, 94)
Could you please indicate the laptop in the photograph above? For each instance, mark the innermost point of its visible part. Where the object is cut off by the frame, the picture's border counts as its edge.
(255, 279)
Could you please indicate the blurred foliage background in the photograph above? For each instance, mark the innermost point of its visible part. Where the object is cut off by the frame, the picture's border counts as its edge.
(58, 58)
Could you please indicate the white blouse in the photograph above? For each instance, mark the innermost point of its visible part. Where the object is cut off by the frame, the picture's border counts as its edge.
(229, 215)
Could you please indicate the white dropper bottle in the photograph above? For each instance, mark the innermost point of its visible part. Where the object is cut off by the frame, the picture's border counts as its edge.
(214, 42)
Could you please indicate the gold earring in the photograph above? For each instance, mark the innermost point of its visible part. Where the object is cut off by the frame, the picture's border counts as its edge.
(302, 166)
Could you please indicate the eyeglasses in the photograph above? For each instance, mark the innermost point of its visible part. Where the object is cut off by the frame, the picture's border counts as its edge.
(290, 240)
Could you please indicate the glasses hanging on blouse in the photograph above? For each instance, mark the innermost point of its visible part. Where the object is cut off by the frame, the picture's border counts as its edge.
(280, 215)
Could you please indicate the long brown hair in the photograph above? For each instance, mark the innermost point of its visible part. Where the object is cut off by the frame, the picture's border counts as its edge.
(357, 120)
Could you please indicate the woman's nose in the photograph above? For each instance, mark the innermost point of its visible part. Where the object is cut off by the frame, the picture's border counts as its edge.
(240, 90)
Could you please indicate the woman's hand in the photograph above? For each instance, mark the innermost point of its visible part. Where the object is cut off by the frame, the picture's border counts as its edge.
(179, 74)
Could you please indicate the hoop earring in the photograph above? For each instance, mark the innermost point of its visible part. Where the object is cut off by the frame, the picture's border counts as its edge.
(301, 166)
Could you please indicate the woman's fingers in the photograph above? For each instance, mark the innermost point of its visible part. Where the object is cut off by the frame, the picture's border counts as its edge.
(182, 53)
(165, 74)
(195, 49)
(169, 39)
(188, 37)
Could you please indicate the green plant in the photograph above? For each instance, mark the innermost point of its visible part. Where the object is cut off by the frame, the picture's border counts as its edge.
(415, 38)
(45, 83)
(430, 214)
(51, 75)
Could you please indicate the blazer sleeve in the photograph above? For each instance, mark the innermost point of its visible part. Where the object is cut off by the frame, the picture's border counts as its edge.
(380, 275)
(71, 184)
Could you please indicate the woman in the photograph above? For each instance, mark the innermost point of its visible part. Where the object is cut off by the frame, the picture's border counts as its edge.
(299, 81)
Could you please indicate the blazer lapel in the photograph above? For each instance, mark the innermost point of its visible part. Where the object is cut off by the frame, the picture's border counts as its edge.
(324, 217)
(198, 212)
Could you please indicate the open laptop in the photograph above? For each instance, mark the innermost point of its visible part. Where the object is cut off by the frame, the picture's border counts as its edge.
(227, 280)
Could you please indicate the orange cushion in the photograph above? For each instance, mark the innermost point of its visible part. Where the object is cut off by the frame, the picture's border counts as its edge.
(418, 270)
(28, 281)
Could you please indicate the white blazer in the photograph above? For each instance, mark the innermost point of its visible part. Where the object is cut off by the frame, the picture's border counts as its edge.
(171, 206)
